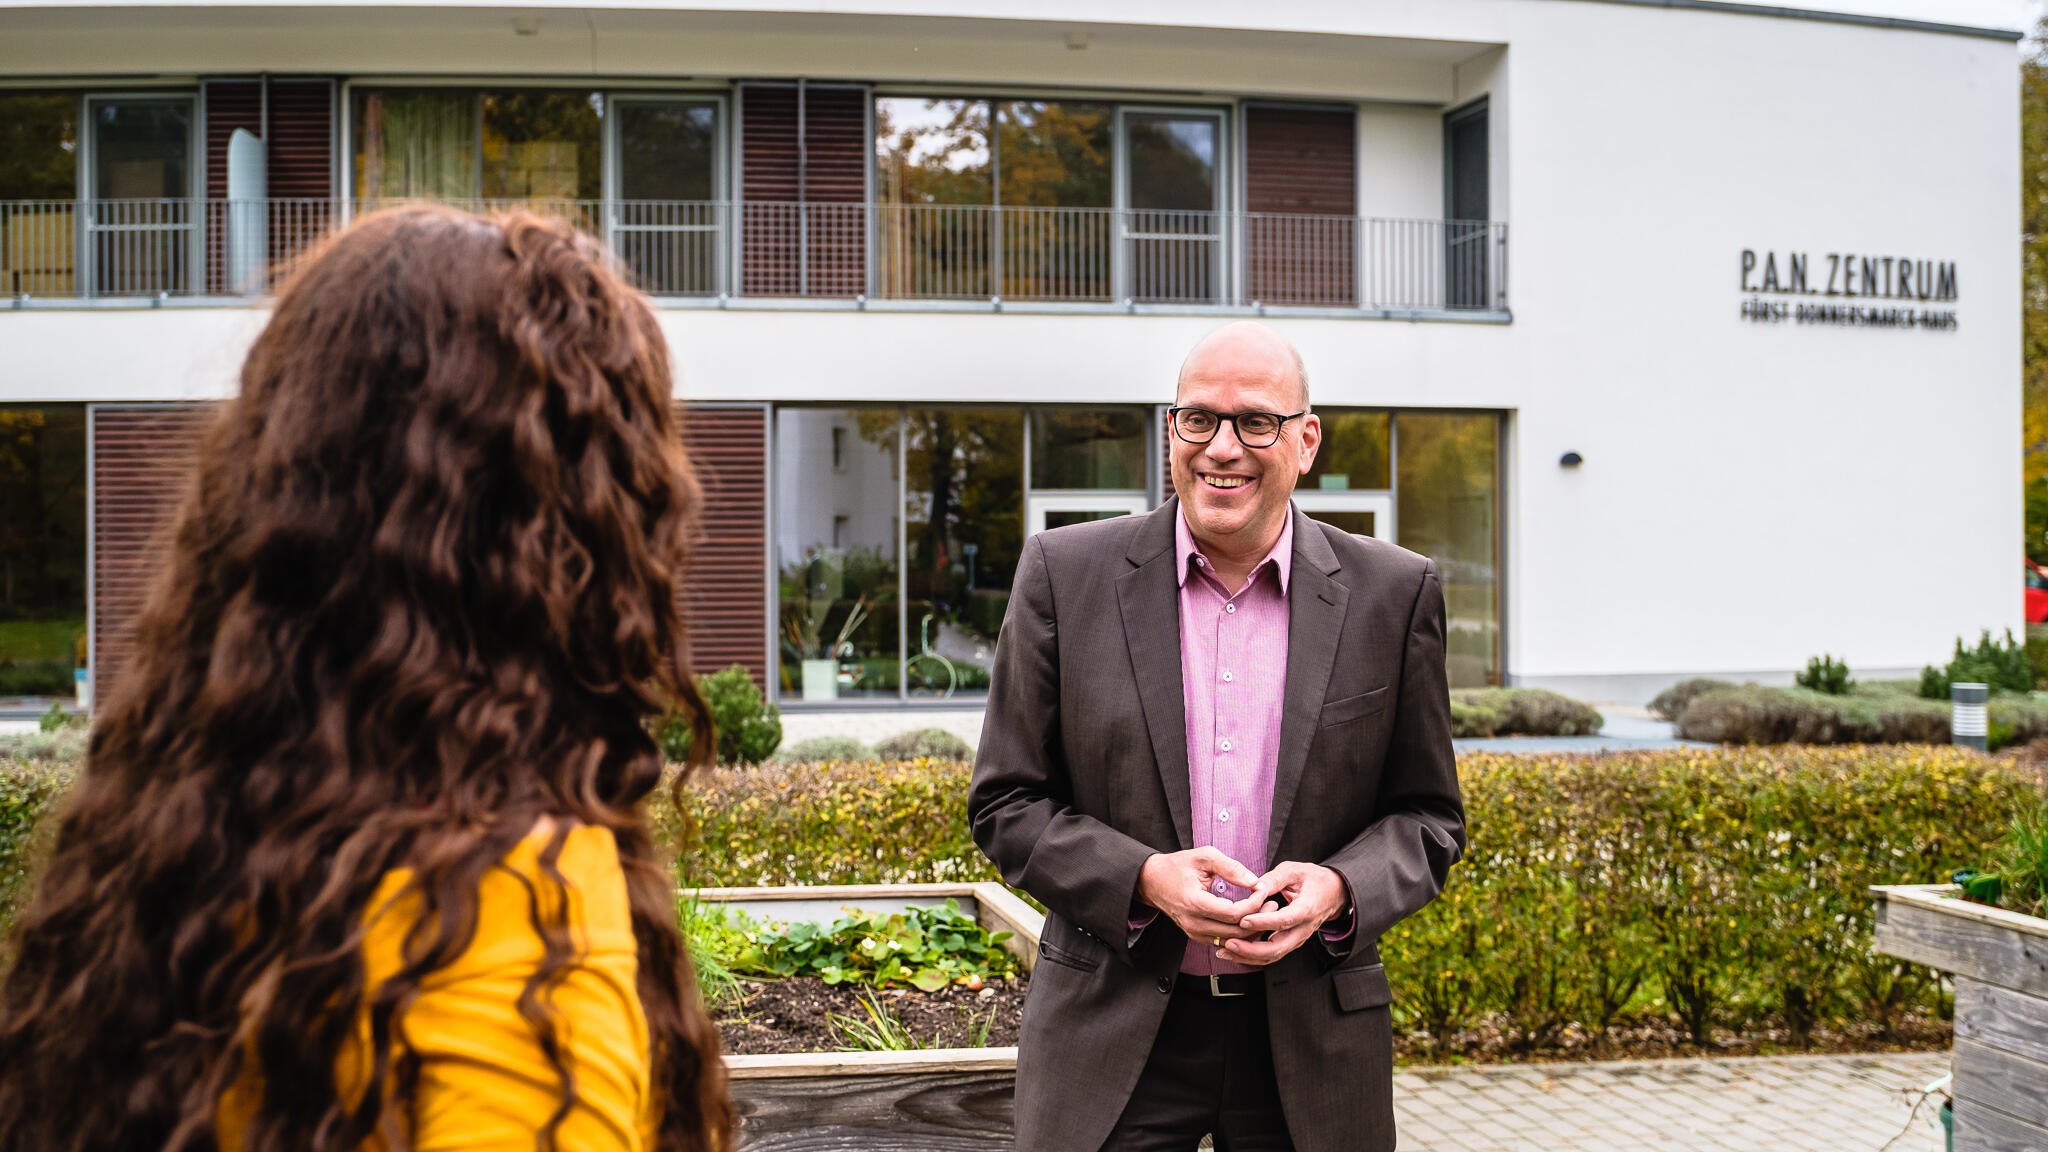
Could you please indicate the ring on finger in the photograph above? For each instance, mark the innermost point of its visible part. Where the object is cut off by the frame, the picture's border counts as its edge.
(1218, 940)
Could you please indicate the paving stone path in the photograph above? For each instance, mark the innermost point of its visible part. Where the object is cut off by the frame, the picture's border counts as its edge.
(1790, 1103)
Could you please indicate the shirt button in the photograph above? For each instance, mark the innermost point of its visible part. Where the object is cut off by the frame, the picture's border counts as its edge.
(1230, 608)
(1224, 745)
(1223, 814)
(1226, 677)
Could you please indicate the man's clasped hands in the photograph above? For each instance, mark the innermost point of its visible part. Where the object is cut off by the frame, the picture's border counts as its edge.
(1279, 911)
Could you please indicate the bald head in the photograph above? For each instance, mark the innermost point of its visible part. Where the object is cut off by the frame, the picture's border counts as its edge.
(1245, 350)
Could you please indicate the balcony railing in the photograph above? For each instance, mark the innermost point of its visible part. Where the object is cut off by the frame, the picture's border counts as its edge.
(1071, 256)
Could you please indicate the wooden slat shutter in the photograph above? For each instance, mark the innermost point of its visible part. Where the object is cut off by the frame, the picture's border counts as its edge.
(141, 463)
(301, 149)
(724, 596)
(804, 202)
(1301, 191)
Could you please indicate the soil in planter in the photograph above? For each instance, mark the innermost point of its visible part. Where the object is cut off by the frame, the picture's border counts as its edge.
(794, 1015)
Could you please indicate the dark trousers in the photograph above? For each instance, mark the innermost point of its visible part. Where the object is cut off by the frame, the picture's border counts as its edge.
(1210, 1073)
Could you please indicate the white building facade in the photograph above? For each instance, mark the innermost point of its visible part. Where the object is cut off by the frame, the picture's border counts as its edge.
(1685, 336)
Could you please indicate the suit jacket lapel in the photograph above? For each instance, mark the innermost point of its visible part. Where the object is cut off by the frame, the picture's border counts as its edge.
(1148, 598)
(1315, 619)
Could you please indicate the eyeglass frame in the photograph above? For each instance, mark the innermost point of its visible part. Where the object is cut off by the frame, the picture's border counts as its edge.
(1173, 422)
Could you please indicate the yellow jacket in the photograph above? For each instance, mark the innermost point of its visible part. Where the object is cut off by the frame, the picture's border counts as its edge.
(484, 1083)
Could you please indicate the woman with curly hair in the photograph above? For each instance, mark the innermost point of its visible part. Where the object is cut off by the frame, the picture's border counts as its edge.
(356, 859)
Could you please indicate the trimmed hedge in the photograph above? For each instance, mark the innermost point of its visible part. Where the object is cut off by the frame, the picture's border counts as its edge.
(1481, 712)
(1874, 713)
(1723, 886)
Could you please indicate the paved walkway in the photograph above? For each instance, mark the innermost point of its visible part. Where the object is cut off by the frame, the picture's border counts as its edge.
(1779, 1104)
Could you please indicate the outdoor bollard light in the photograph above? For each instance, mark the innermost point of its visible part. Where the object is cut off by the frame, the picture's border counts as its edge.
(1967, 729)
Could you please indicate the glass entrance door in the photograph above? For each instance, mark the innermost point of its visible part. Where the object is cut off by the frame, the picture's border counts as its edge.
(139, 224)
(1359, 513)
(1171, 191)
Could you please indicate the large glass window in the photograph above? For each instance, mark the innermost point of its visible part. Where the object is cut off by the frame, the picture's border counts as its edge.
(1356, 454)
(442, 143)
(1448, 498)
(838, 519)
(415, 144)
(38, 184)
(962, 509)
(666, 226)
(42, 548)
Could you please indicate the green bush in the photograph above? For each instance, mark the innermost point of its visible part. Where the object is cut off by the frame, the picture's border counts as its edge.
(749, 728)
(933, 743)
(825, 748)
(1826, 675)
(2004, 665)
(1522, 712)
(37, 678)
(29, 790)
(1758, 714)
(1671, 703)
(64, 746)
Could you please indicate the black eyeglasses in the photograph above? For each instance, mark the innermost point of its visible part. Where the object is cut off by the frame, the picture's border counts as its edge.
(1254, 429)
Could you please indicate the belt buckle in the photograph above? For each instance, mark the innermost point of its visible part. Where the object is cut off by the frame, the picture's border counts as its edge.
(1216, 989)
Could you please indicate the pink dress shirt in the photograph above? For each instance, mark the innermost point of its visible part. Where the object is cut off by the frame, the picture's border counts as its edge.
(1233, 674)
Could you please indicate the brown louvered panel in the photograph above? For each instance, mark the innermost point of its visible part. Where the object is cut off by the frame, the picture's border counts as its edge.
(230, 104)
(1301, 189)
(836, 183)
(804, 217)
(141, 464)
(301, 146)
(725, 593)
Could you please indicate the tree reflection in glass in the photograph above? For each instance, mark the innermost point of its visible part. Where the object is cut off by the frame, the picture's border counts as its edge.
(835, 538)
(964, 527)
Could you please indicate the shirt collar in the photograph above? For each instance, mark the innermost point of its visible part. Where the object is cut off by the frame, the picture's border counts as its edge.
(1281, 557)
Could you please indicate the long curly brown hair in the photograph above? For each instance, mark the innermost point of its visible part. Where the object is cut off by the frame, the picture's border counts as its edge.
(419, 601)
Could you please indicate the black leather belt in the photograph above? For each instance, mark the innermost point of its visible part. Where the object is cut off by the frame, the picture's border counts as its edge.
(1228, 984)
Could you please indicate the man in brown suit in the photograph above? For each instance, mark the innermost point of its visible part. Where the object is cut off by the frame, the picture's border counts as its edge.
(1138, 703)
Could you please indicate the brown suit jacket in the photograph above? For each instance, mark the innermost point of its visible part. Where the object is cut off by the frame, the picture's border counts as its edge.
(1082, 774)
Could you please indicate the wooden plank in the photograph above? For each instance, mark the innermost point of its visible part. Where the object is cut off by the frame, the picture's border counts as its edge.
(1983, 1129)
(1992, 1078)
(1941, 898)
(1002, 911)
(933, 1113)
(923, 1062)
(2002, 1018)
(1962, 941)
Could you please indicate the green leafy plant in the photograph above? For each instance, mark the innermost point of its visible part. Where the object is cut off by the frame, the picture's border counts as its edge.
(57, 719)
(1672, 702)
(2003, 665)
(926, 948)
(2017, 878)
(936, 743)
(714, 942)
(748, 727)
(825, 749)
(1827, 675)
(876, 1030)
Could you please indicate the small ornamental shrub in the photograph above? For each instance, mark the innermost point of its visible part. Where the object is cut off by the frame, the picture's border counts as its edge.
(1826, 675)
(748, 727)
(825, 749)
(66, 745)
(2003, 665)
(1759, 714)
(1523, 712)
(1671, 702)
(1472, 720)
(932, 743)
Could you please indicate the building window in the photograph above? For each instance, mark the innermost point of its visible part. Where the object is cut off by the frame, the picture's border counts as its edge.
(1448, 505)
(964, 486)
(453, 144)
(42, 548)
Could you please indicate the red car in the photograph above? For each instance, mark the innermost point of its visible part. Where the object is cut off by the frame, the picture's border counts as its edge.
(2037, 593)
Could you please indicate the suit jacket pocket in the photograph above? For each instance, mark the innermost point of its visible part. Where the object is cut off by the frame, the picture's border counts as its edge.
(1362, 987)
(1054, 954)
(1354, 707)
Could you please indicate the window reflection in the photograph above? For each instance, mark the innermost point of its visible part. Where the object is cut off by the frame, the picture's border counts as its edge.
(1447, 501)
(835, 543)
(964, 527)
(542, 146)
(1088, 448)
(417, 144)
(42, 548)
(1355, 453)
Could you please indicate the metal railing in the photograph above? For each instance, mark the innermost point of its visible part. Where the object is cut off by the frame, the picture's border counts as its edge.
(1104, 256)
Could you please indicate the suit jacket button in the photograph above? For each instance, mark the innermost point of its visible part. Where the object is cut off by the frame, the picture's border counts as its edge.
(1166, 983)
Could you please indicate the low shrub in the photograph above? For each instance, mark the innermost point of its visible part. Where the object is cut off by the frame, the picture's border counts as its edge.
(37, 678)
(65, 745)
(1473, 720)
(748, 726)
(1760, 714)
(2003, 665)
(1522, 712)
(29, 791)
(933, 743)
(825, 748)
(1826, 675)
(1671, 702)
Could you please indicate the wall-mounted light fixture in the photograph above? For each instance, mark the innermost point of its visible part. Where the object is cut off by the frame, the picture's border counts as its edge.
(1570, 460)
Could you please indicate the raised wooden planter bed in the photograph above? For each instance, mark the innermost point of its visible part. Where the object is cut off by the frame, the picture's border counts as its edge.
(938, 1100)
(2000, 963)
